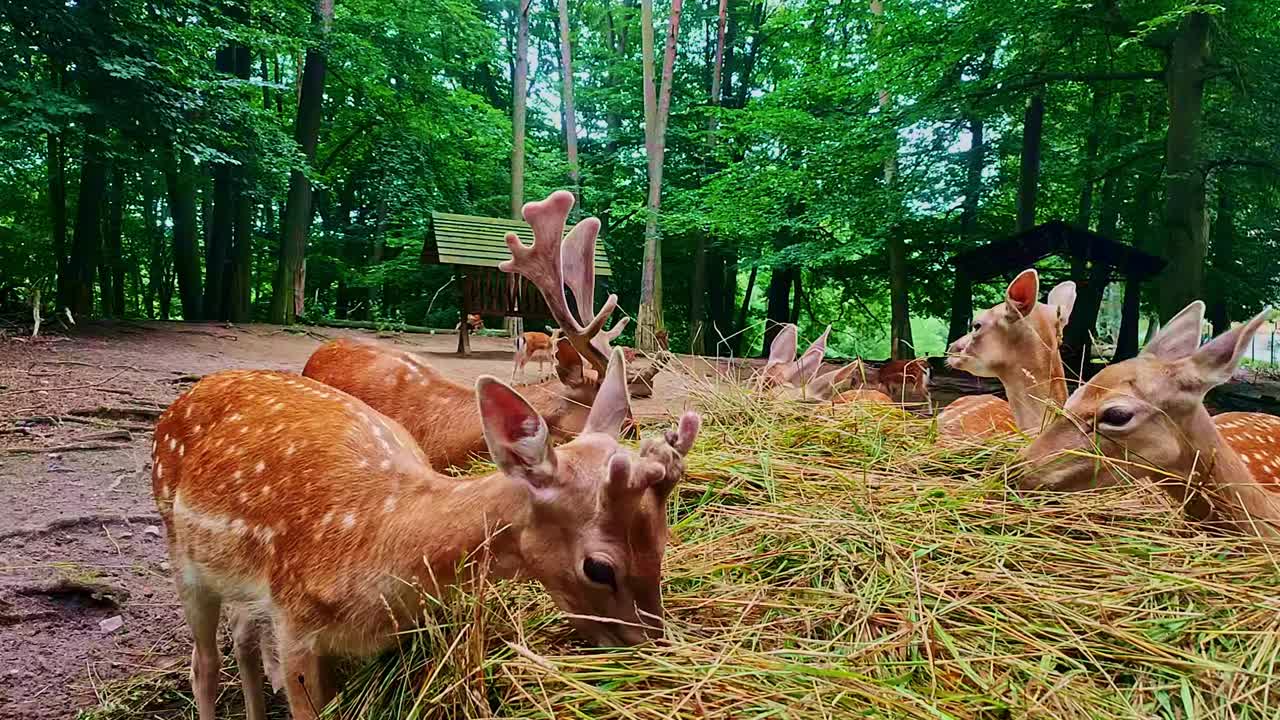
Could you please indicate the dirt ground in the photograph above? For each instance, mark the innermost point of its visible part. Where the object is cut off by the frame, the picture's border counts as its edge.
(85, 592)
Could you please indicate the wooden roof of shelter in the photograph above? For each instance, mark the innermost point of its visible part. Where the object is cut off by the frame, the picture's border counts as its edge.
(478, 241)
(1018, 252)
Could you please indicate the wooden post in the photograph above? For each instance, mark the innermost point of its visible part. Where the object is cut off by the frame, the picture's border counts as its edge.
(464, 330)
(1130, 312)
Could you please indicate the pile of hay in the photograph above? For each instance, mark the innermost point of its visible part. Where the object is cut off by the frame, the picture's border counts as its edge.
(836, 562)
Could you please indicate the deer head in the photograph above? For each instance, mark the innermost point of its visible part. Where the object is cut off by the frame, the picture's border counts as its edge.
(596, 527)
(782, 367)
(1145, 417)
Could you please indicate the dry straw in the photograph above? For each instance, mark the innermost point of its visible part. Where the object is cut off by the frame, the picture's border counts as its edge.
(835, 562)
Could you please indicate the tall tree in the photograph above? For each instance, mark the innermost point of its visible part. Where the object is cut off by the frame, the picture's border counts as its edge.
(1029, 172)
(900, 340)
(519, 91)
(655, 124)
(290, 281)
(180, 180)
(699, 339)
(570, 117)
(1186, 219)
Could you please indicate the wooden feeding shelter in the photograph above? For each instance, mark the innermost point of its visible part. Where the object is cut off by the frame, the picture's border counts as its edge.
(1095, 262)
(474, 245)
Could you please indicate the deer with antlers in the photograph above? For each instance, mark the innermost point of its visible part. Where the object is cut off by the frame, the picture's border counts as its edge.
(440, 413)
(301, 507)
(1146, 418)
(1017, 342)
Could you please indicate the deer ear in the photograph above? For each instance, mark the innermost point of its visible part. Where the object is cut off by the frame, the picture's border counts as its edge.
(809, 363)
(1021, 295)
(612, 404)
(1063, 298)
(568, 363)
(1180, 336)
(783, 349)
(516, 435)
(1216, 360)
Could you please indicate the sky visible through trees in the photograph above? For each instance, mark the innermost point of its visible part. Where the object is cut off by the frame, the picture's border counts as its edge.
(279, 160)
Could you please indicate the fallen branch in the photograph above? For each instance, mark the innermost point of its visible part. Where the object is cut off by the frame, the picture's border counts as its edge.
(120, 413)
(75, 522)
(74, 447)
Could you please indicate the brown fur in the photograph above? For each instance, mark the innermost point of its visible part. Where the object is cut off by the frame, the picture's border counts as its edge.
(442, 414)
(1167, 435)
(1018, 342)
(293, 501)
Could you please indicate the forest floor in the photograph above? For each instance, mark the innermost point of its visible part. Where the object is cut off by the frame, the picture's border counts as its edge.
(85, 590)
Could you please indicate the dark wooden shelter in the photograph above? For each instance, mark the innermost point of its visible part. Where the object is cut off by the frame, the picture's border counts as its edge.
(1095, 262)
(474, 245)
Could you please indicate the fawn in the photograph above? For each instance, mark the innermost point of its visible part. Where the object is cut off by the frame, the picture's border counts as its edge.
(418, 396)
(475, 323)
(534, 347)
(1146, 417)
(296, 503)
(1016, 341)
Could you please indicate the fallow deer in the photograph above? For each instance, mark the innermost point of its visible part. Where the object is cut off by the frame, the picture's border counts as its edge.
(785, 376)
(475, 323)
(292, 501)
(441, 413)
(1017, 342)
(1146, 418)
(534, 347)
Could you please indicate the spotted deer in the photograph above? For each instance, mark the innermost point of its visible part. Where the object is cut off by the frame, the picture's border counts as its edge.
(534, 347)
(293, 502)
(440, 413)
(1017, 342)
(1146, 418)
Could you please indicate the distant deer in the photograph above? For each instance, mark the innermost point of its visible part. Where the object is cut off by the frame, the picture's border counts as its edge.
(1146, 416)
(417, 395)
(296, 503)
(534, 347)
(1018, 342)
(475, 323)
(785, 376)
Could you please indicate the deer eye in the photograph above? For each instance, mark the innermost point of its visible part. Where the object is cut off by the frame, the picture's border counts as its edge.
(977, 326)
(1115, 416)
(599, 572)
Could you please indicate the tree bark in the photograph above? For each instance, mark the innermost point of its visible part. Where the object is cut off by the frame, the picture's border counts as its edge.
(745, 308)
(570, 118)
(778, 304)
(1223, 274)
(155, 246)
(290, 280)
(217, 254)
(1186, 220)
(1029, 173)
(520, 89)
(180, 179)
(241, 278)
(698, 337)
(650, 315)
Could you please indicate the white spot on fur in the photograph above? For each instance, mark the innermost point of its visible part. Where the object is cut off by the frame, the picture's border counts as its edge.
(385, 465)
(289, 450)
(172, 444)
(244, 497)
(389, 504)
(239, 527)
(234, 418)
(260, 467)
(197, 429)
(182, 450)
(187, 413)
(159, 470)
(328, 518)
(349, 520)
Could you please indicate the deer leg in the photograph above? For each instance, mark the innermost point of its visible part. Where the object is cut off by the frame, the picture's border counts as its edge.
(270, 658)
(201, 607)
(246, 640)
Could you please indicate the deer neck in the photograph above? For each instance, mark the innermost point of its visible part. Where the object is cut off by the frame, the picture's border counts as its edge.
(451, 521)
(1214, 484)
(1034, 388)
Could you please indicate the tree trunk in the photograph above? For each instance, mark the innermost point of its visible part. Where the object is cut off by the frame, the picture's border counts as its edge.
(1144, 231)
(1077, 340)
(1185, 217)
(217, 254)
(87, 242)
(698, 338)
(1093, 140)
(1029, 173)
(290, 280)
(1223, 276)
(778, 304)
(180, 178)
(657, 105)
(155, 246)
(520, 89)
(900, 341)
(112, 270)
(739, 327)
(962, 290)
(240, 281)
(570, 118)
(57, 170)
